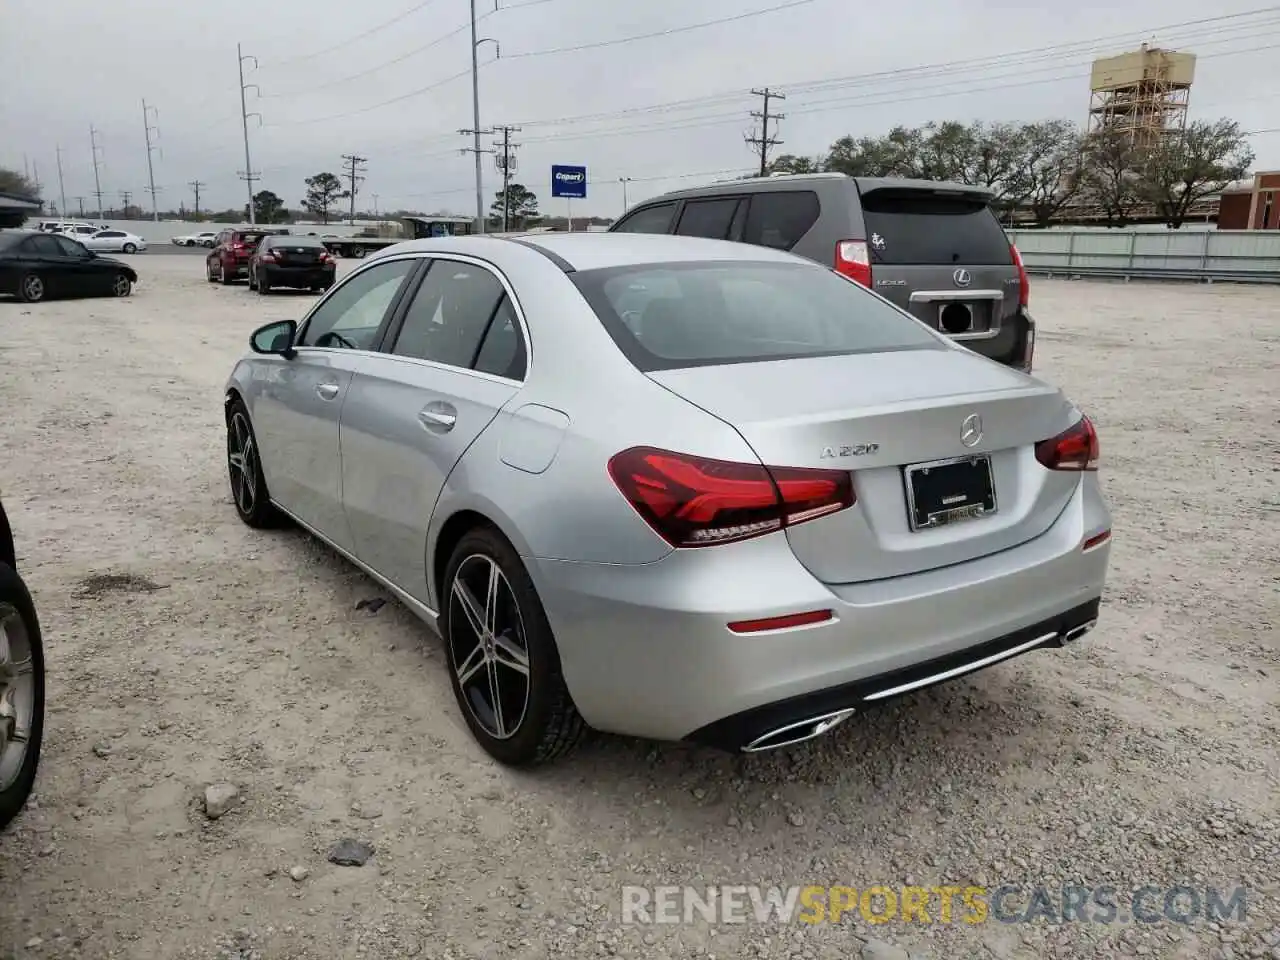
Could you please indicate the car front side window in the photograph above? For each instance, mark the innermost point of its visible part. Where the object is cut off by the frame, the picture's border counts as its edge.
(352, 315)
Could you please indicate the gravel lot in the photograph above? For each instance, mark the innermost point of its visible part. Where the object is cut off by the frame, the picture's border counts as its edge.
(186, 650)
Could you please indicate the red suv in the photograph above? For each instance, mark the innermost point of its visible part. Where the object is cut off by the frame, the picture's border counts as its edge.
(228, 261)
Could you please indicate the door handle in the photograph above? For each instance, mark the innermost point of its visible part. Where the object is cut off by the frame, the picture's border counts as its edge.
(438, 417)
(327, 391)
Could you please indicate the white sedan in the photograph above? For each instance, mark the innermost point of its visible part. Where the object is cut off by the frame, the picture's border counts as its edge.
(205, 239)
(114, 241)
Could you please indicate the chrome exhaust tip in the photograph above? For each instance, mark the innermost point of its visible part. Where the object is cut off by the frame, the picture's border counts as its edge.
(799, 731)
(1075, 633)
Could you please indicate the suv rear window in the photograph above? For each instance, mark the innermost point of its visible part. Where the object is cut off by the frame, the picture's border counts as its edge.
(669, 315)
(917, 228)
(248, 239)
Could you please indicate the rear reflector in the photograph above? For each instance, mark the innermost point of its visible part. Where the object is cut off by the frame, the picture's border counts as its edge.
(1024, 281)
(694, 501)
(790, 621)
(1076, 448)
(853, 260)
(1096, 540)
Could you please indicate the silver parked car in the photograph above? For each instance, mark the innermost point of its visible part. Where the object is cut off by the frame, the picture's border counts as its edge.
(670, 487)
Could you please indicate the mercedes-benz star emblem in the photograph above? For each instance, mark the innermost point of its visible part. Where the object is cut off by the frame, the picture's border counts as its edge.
(962, 277)
(971, 430)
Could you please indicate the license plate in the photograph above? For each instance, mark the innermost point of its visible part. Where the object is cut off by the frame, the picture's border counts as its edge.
(949, 491)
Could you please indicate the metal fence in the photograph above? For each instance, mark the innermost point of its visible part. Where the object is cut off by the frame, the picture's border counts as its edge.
(1232, 255)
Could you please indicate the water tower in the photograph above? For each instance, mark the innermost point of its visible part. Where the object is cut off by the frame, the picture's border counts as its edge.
(1142, 94)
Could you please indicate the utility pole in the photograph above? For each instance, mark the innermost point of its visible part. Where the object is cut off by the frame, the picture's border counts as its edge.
(196, 185)
(62, 190)
(475, 130)
(375, 205)
(79, 200)
(624, 181)
(762, 142)
(247, 175)
(355, 165)
(125, 197)
(506, 162)
(148, 130)
(97, 181)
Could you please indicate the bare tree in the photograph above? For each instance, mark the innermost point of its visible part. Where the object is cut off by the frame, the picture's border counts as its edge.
(1047, 173)
(1109, 175)
(1193, 164)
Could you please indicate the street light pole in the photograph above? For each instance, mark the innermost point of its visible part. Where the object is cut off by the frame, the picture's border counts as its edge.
(624, 181)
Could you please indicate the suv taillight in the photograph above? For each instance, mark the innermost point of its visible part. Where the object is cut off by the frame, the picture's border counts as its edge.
(1024, 282)
(1076, 448)
(853, 260)
(699, 502)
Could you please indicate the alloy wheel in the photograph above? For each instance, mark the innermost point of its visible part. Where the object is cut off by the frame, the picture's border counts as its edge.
(17, 694)
(32, 288)
(487, 647)
(120, 287)
(242, 460)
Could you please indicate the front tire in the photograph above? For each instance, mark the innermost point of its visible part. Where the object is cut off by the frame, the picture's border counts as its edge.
(21, 694)
(503, 663)
(121, 285)
(130, 248)
(244, 467)
(31, 288)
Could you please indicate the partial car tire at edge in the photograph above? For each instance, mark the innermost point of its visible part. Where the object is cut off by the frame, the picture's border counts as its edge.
(244, 468)
(20, 627)
(549, 725)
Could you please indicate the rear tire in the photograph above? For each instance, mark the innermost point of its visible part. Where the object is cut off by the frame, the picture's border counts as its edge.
(226, 279)
(19, 626)
(31, 288)
(515, 663)
(264, 286)
(208, 272)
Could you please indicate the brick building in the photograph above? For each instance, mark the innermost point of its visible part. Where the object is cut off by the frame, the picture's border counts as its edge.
(1251, 204)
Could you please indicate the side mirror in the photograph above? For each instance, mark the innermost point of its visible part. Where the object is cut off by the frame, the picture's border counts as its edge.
(275, 338)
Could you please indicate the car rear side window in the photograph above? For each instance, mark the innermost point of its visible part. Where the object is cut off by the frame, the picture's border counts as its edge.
(707, 218)
(780, 219)
(655, 219)
(666, 316)
(919, 228)
(47, 247)
(449, 314)
(502, 353)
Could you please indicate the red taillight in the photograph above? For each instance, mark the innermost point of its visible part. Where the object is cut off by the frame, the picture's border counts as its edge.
(1076, 448)
(1024, 282)
(699, 502)
(325, 258)
(853, 260)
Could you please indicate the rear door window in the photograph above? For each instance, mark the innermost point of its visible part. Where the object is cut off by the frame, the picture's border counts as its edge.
(780, 219)
(707, 218)
(655, 219)
(918, 228)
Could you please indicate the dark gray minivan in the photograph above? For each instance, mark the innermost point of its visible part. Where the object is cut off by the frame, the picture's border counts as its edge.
(934, 249)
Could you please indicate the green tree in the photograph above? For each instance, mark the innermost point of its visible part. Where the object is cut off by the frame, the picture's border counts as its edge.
(1108, 176)
(268, 207)
(1047, 173)
(789, 163)
(1191, 164)
(322, 190)
(11, 181)
(521, 204)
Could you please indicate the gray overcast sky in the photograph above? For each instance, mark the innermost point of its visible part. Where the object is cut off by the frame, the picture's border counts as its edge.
(85, 61)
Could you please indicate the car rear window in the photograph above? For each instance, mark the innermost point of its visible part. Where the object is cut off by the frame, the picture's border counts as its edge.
(779, 219)
(249, 239)
(919, 228)
(671, 315)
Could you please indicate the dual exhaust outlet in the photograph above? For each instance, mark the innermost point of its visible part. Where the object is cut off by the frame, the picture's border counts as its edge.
(811, 727)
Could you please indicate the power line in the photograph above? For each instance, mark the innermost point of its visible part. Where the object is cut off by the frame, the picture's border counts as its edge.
(762, 141)
(148, 130)
(385, 103)
(348, 41)
(355, 164)
(661, 33)
(97, 180)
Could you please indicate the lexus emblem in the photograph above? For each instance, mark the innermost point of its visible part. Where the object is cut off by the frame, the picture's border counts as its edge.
(962, 278)
(971, 430)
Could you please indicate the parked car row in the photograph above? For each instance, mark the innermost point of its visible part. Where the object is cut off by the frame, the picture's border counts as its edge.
(37, 265)
(100, 237)
(270, 259)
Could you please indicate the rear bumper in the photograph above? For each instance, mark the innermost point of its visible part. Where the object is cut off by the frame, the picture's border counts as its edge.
(280, 275)
(646, 651)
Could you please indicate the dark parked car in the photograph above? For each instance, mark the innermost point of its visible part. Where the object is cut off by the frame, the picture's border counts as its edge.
(228, 261)
(35, 266)
(284, 261)
(21, 683)
(934, 249)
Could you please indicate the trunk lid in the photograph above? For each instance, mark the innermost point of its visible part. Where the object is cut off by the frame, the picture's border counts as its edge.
(816, 412)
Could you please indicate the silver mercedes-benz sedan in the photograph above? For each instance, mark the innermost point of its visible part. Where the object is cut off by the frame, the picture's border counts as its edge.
(670, 487)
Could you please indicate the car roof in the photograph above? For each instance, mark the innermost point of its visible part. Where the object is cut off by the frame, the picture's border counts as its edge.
(597, 251)
(773, 184)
